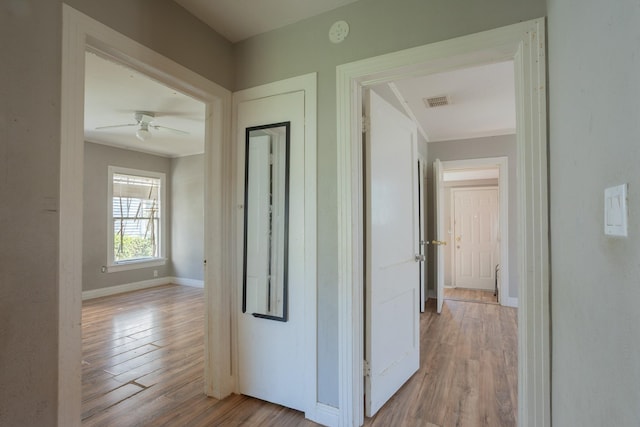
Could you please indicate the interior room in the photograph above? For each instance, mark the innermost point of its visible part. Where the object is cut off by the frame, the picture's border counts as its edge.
(577, 92)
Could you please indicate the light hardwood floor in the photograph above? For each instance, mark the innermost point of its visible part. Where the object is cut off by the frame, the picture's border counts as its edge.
(471, 295)
(143, 365)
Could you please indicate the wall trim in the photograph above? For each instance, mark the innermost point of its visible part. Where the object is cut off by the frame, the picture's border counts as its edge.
(194, 283)
(136, 286)
(324, 414)
(127, 287)
(525, 44)
(511, 302)
(79, 34)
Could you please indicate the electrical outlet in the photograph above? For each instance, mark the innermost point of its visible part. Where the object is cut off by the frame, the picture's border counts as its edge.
(155, 273)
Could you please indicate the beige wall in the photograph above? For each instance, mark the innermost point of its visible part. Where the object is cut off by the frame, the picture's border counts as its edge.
(594, 107)
(30, 46)
(376, 27)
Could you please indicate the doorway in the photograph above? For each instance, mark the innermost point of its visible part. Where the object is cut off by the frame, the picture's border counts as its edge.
(81, 33)
(524, 44)
(476, 173)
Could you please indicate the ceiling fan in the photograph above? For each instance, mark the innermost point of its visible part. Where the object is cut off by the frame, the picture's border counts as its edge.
(145, 121)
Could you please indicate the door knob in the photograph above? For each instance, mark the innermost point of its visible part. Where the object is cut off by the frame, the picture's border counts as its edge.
(439, 242)
(419, 258)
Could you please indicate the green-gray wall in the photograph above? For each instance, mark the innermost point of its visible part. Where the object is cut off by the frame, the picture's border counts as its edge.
(97, 159)
(376, 27)
(184, 215)
(187, 217)
(30, 76)
(594, 109)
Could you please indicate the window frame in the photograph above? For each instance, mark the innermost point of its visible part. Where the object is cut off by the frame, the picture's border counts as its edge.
(112, 264)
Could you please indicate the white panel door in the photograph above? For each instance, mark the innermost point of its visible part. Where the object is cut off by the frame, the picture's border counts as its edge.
(392, 347)
(271, 353)
(440, 240)
(476, 237)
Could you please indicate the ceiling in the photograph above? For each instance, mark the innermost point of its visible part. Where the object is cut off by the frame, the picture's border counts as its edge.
(113, 93)
(482, 98)
(237, 20)
(481, 102)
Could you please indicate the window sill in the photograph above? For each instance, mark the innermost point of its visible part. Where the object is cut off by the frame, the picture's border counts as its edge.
(134, 265)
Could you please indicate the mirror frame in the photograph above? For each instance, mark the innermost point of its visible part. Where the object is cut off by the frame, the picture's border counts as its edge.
(285, 275)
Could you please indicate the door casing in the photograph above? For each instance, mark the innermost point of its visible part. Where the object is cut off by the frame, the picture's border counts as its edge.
(502, 163)
(525, 44)
(79, 33)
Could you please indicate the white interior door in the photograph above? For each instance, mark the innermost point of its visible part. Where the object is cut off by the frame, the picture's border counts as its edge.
(440, 240)
(271, 353)
(476, 227)
(392, 347)
(422, 233)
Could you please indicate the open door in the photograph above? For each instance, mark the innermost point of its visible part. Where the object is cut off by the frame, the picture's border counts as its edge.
(439, 242)
(392, 346)
(422, 232)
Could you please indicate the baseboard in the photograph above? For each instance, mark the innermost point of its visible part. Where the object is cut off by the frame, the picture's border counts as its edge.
(324, 414)
(510, 302)
(188, 282)
(127, 287)
(432, 294)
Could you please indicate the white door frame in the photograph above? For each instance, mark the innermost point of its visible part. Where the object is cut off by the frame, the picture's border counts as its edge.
(502, 164)
(524, 43)
(308, 83)
(79, 33)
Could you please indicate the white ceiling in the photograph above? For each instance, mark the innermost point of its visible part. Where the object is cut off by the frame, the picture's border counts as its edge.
(237, 20)
(113, 93)
(482, 98)
(482, 102)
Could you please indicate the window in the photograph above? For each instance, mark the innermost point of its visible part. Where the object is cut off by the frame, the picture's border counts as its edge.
(136, 218)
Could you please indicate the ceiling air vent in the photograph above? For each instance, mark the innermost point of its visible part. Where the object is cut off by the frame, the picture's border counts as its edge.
(436, 101)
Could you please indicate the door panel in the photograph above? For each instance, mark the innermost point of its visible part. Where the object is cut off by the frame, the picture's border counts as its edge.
(476, 237)
(271, 353)
(440, 240)
(392, 274)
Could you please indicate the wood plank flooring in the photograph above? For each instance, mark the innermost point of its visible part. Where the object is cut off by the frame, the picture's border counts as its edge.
(470, 295)
(143, 366)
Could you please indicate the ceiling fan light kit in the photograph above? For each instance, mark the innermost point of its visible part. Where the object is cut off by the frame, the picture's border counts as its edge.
(144, 121)
(143, 133)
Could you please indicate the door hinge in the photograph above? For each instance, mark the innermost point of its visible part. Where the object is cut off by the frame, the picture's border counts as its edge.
(365, 124)
(366, 369)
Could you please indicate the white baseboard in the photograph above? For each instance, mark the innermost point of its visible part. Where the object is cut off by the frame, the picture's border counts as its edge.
(127, 287)
(324, 414)
(188, 282)
(510, 302)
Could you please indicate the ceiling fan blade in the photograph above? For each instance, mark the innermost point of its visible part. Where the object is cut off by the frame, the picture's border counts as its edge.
(117, 126)
(176, 131)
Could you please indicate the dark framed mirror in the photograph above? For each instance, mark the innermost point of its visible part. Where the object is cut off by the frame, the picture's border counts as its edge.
(266, 221)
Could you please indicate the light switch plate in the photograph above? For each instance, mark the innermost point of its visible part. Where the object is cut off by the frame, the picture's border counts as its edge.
(615, 211)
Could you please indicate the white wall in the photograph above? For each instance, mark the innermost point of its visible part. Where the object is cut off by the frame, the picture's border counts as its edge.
(594, 109)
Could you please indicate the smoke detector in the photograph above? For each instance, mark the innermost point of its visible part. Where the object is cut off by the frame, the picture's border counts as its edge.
(436, 101)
